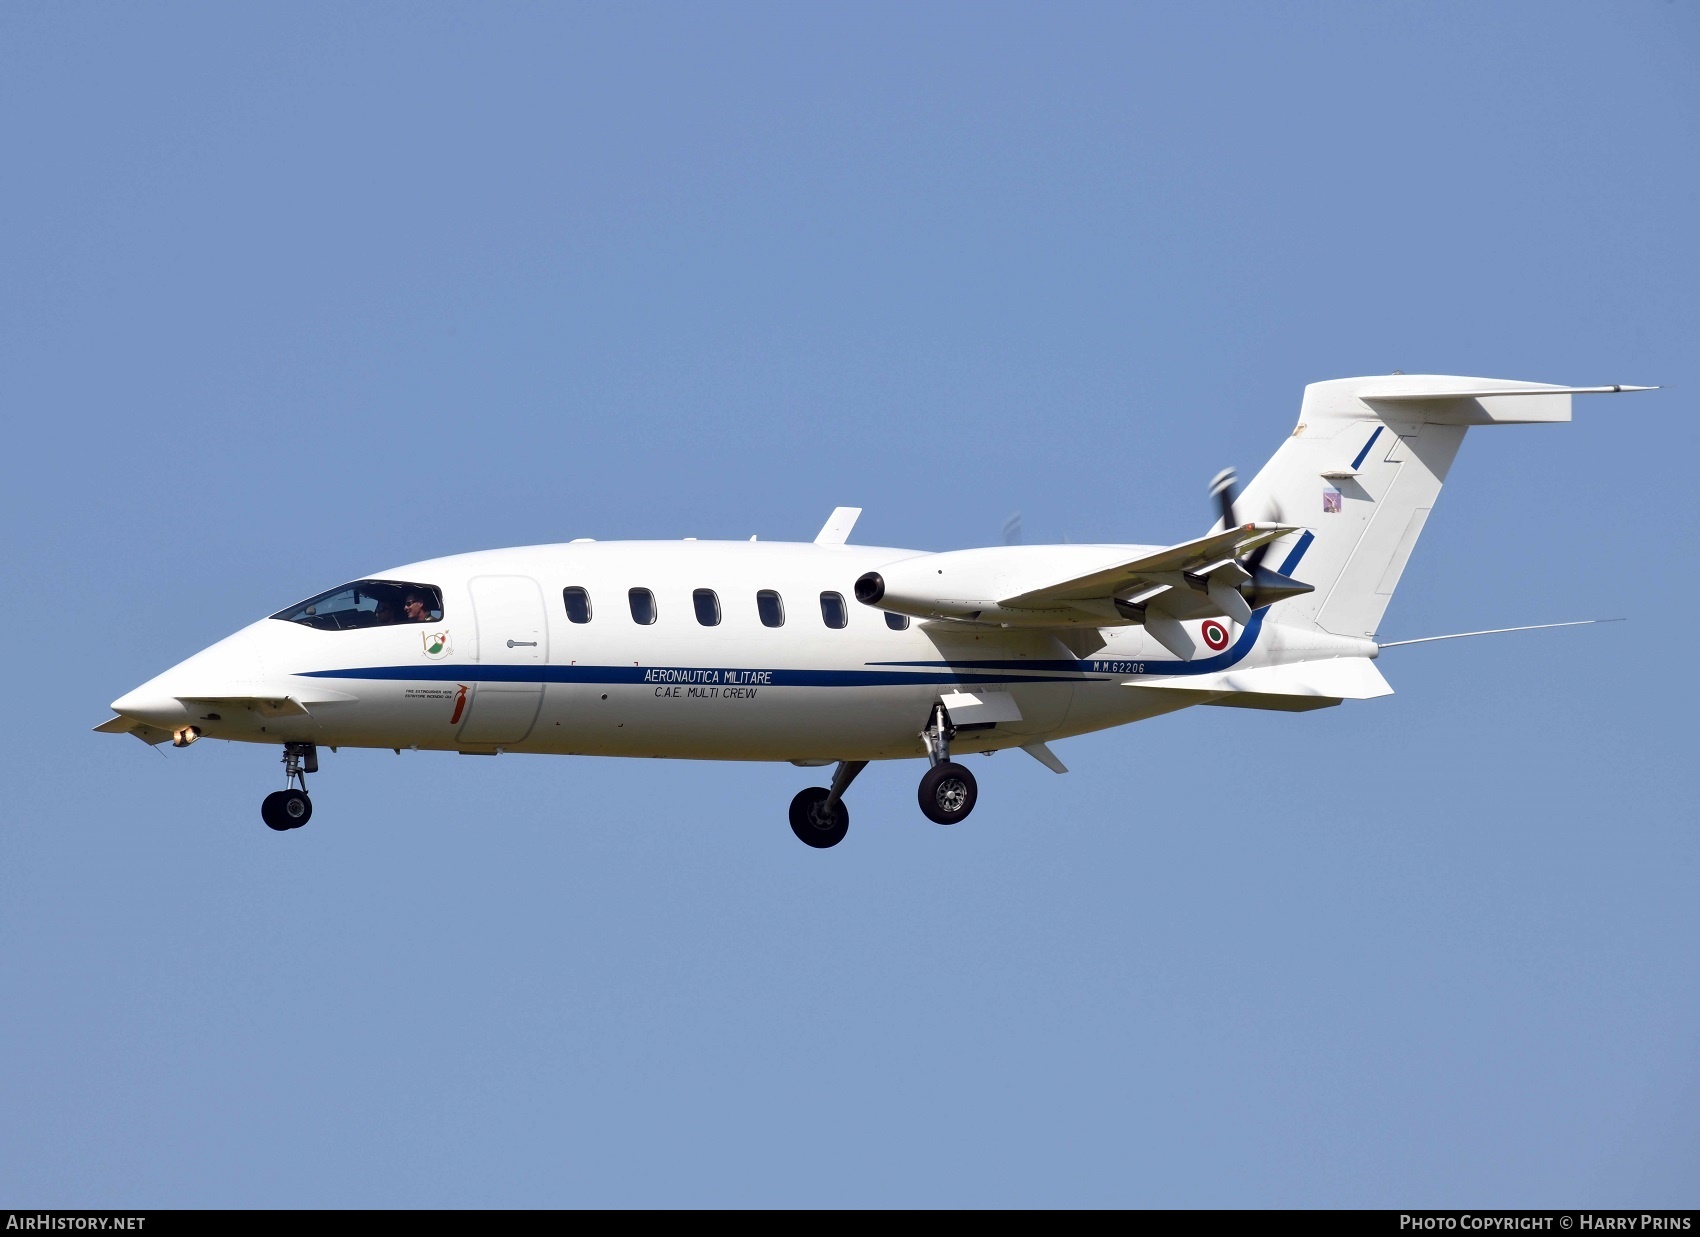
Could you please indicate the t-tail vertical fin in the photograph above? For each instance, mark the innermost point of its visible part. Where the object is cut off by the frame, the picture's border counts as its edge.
(1362, 471)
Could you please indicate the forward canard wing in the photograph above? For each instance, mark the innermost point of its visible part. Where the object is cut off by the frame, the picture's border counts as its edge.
(265, 706)
(153, 736)
(292, 702)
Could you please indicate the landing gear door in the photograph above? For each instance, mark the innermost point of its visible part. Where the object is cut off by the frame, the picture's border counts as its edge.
(513, 648)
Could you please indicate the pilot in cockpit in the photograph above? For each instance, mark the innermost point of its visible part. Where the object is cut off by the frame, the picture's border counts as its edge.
(417, 607)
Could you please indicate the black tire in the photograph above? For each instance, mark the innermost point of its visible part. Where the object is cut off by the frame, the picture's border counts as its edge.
(947, 793)
(271, 811)
(810, 826)
(286, 809)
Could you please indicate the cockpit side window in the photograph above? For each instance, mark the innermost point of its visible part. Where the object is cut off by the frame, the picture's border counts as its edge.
(368, 603)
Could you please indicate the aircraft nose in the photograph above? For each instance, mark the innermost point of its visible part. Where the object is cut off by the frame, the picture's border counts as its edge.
(151, 703)
(225, 669)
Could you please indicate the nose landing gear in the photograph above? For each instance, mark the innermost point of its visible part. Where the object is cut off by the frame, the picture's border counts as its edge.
(947, 791)
(291, 808)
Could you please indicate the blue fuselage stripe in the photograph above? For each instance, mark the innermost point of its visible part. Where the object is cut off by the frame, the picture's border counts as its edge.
(739, 677)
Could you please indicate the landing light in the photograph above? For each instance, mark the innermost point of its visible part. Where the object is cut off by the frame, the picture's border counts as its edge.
(185, 735)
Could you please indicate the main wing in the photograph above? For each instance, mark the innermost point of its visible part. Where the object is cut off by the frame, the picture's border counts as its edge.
(1074, 586)
(1131, 575)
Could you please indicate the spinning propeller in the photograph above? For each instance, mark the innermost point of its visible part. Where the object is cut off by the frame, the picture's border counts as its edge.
(1262, 586)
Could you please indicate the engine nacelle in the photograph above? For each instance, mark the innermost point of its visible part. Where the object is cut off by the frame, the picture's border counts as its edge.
(966, 585)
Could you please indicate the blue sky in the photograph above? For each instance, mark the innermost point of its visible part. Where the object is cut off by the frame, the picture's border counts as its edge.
(291, 295)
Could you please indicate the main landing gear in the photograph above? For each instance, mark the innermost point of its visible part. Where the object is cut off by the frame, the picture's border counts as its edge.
(291, 808)
(818, 815)
(947, 792)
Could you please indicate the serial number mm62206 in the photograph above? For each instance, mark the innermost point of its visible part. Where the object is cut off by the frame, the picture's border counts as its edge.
(1119, 667)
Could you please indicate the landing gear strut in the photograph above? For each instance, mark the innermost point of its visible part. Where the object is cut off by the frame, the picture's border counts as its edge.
(947, 792)
(291, 808)
(818, 815)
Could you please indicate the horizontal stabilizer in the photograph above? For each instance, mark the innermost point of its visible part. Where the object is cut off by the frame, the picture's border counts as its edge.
(1441, 399)
(1335, 678)
(1411, 397)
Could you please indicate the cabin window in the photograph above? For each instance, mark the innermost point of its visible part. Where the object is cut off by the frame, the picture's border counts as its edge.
(771, 608)
(643, 605)
(897, 622)
(832, 610)
(708, 607)
(368, 603)
(578, 604)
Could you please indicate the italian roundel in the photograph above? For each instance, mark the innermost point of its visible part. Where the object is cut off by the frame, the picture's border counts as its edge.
(1215, 634)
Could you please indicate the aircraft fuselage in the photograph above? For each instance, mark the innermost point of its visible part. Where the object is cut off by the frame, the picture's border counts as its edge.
(503, 666)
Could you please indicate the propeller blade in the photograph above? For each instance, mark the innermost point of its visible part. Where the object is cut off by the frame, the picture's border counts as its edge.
(1222, 490)
(1265, 586)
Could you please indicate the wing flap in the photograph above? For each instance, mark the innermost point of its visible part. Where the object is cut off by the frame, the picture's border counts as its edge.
(980, 707)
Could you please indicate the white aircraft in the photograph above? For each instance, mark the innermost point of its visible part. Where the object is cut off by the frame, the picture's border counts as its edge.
(831, 653)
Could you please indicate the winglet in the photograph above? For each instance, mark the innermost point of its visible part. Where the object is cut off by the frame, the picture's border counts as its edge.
(836, 530)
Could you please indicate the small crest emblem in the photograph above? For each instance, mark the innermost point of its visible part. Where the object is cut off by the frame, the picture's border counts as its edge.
(436, 644)
(1331, 502)
(1215, 635)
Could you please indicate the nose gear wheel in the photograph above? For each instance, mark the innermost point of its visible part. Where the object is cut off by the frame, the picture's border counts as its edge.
(291, 808)
(817, 822)
(286, 809)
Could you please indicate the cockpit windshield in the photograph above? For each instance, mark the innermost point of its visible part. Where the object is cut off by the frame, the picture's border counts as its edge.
(367, 603)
